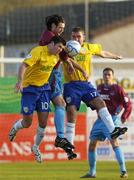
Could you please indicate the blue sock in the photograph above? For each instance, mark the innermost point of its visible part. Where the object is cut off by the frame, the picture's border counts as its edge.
(120, 158)
(59, 119)
(92, 162)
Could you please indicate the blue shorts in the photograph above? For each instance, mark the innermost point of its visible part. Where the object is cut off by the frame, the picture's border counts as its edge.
(77, 91)
(35, 98)
(55, 81)
(99, 130)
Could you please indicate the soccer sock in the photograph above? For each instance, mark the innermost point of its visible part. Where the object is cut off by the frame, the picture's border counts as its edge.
(120, 158)
(18, 125)
(92, 162)
(59, 118)
(70, 132)
(107, 119)
(39, 136)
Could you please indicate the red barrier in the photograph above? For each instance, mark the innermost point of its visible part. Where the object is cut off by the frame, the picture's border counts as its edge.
(20, 148)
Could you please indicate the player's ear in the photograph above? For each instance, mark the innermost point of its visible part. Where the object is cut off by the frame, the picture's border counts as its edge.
(84, 36)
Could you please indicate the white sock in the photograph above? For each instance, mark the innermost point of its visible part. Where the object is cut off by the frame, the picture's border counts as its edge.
(70, 132)
(18, 125)
(106, 118)
(39, 136)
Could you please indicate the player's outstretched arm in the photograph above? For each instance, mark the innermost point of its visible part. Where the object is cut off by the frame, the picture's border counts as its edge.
(22, 69)
(107, 54)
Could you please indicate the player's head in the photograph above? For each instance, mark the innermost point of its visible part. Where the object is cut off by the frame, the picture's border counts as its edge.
(78, 34)
(55, 23)
(56, 45)
(108, 75)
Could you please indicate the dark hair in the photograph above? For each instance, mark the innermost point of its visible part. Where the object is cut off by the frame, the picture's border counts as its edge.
(108, 69)
(58, 39)
(78, 29)
(56, 19)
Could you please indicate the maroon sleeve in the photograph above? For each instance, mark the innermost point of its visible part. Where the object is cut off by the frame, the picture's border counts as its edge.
(63, 55)
(45, 38)
(126, 103)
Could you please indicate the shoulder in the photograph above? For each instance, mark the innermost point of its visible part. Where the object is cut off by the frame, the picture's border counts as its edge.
(117, 88)
(94, 47)
(100, 86)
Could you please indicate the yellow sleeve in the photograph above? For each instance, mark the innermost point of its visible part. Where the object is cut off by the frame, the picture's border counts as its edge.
(95, 49)
(33, 56)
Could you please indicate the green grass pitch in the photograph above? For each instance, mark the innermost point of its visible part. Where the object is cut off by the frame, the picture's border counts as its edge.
(65, 170)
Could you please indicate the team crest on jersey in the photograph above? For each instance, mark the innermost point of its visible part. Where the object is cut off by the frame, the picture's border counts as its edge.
(28, 56)
(83, 50)
(25, 109)
(68, 99)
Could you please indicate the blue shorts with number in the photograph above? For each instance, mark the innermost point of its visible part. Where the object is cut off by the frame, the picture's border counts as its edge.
(99, 130)
(77, 91)
(55, 81)
(35, 99)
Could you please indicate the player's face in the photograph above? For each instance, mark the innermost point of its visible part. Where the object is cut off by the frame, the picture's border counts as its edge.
(56, 48)
(78, 36)
(59, 29)
(108, 77)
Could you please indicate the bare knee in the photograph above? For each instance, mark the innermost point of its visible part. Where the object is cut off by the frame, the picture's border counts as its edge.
(71, 114)
(59, 101)
(92, 145)
(27, 121)
(98, 103)
(114, 143)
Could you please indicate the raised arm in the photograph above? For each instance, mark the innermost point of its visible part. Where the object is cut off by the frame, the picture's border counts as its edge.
(107, 54)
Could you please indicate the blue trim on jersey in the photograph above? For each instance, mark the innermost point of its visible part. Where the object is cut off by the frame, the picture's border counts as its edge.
(35, 98)
(77, 91)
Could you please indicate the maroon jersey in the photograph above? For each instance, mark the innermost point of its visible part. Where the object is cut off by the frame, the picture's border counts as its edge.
(116, 99)
(45, 39)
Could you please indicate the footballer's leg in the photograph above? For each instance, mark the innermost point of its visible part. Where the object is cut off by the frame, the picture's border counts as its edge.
(105, 116)
(120, 158)
(20, 124)
(59, 114)
(27, 111)
(42, 108)
(15, 128)
(91, 160)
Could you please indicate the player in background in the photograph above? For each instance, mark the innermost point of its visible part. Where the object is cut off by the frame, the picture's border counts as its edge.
(77, 89)
(116, 100)
(33, 76)
(55, 25)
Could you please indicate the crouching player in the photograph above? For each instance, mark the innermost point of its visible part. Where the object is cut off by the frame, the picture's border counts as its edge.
(116, 100)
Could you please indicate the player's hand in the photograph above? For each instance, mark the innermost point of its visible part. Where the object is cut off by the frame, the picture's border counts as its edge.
(18, 87)
(118, 57)
(85, 75)
(70, 68)
(123, 120)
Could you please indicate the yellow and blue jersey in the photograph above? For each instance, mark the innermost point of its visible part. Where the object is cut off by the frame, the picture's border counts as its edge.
(40, 65)
(84, 60)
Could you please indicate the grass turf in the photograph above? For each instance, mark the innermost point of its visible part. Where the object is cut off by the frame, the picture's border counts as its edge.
(66, 170)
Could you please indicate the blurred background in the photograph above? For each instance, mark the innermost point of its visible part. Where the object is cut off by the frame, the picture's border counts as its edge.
(108, 22)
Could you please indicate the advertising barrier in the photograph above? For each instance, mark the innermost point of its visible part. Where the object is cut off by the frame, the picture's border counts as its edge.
(20, 148)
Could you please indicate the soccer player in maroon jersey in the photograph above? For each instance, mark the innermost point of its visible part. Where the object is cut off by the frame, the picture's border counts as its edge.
(116, 100)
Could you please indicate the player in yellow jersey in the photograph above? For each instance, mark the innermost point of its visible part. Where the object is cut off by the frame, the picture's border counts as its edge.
(77, 89)
(33, 76)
